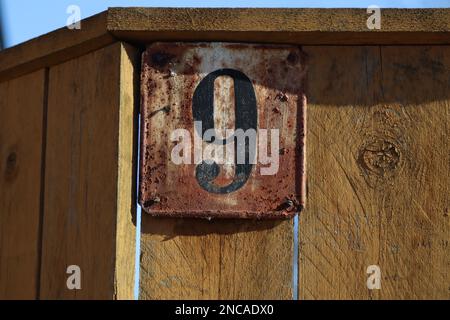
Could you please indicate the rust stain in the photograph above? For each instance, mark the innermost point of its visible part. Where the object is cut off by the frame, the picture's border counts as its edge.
(170, 75)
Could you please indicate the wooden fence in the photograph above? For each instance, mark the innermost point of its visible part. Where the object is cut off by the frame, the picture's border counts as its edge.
(377, 163)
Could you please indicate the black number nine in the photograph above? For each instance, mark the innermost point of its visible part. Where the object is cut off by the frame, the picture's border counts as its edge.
(245, 118)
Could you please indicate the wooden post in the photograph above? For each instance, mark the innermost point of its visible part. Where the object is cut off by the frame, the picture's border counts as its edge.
(377, 182)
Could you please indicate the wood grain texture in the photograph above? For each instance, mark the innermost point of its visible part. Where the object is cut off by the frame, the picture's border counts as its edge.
(199, 259)
(275, 25)
(126, 182)
(20, 181)
(89, 179)
(274, 19)
(378, 163)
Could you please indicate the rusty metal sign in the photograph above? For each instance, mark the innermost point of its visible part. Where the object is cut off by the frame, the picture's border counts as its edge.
(223, 130)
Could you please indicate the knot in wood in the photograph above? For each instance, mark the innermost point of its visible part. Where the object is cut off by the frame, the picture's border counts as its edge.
(11, 166)
(380, 157)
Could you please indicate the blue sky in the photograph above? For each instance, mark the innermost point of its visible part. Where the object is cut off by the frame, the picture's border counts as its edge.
(26, 19)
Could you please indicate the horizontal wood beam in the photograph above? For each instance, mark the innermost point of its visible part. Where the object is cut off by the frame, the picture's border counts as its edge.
(275, 20)
(296, 26)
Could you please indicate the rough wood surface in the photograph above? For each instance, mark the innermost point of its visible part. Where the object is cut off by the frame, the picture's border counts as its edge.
(290, 25)
(275, 20)
(378, 163)
(198, 259)
(89, 177)
(293, 25)
(21, 119)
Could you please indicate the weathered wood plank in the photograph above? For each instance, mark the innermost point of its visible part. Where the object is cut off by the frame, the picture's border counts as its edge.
(274, 19)
(21, 134)
(280, 25)
(378, 180)
(89, 176)
(228, 259)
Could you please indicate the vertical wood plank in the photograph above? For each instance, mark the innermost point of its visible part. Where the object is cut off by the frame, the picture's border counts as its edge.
(127, 179)
(378, 180)
(89, 176)
(217, 259)
(199, 259)
(21, 120)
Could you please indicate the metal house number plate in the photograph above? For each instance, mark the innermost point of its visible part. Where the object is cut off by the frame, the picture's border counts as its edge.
(223, 130)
